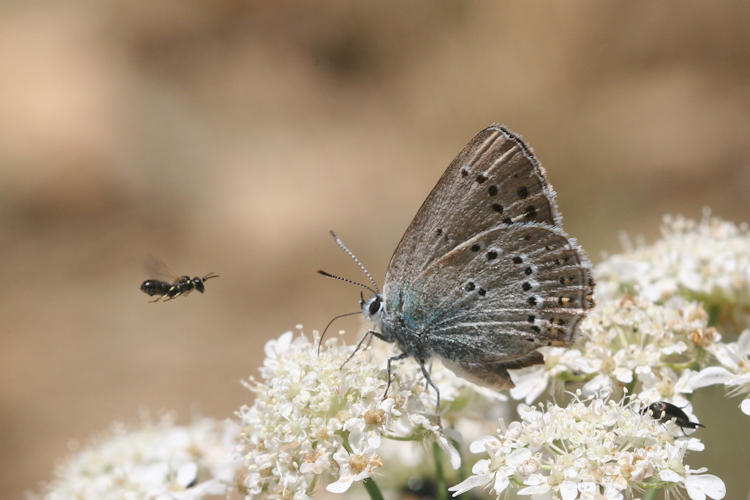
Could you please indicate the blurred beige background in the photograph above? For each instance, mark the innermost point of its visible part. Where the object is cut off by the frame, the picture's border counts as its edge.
(230, 136)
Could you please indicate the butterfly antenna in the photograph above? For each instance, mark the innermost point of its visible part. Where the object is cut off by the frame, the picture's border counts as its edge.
(354, 257)
(347, 280)
(320, 341)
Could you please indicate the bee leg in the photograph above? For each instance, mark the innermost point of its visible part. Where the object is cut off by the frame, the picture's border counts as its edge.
(685, 434)
(168, 296)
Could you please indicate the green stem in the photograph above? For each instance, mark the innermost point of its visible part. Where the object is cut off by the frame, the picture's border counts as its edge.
(400, 438)
(713, 315)
(688, 365)
(311, 488)
(651, 494)
(630, 388)
(463, 470)
(372, 489)
(570, 377)
(442, 488)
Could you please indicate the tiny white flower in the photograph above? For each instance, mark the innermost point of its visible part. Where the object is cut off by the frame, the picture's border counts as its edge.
(699, 486)
(531, 382)
(354, 466)
(454, 457)
(734, 373)
(713, 375)
(477, 480)
(568, 490)
(536, 484)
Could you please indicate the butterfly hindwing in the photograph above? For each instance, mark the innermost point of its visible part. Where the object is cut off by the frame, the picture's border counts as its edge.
(502, 293)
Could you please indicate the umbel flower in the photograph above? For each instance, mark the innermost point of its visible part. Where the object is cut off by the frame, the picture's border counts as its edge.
(589, 449)
(707, 260)
(316, 418)
(158, 460)
(652, 348)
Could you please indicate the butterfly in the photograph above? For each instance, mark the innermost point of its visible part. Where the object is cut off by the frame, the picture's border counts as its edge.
(484, 275)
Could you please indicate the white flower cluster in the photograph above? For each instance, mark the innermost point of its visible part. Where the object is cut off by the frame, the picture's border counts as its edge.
(593, 449)
(708, 260)
(157, 461)
(313, 418)
(625, 342)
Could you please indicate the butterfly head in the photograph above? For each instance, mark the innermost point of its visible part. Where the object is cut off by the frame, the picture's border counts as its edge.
(372, 307)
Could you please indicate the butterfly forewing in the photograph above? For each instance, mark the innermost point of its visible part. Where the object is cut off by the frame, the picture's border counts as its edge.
(494, 180)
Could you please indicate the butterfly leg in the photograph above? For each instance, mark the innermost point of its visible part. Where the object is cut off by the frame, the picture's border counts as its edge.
(368, 334)
(437, 392)
(388, 370)
(429, 370)
(369, 341)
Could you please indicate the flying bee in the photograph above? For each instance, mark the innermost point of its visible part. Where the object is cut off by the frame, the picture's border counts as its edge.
(663, 411)
(175, 286)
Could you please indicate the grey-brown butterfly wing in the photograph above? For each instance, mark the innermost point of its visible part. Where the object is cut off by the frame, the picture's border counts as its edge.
(488, 304)
(494, 180)
(484, 271)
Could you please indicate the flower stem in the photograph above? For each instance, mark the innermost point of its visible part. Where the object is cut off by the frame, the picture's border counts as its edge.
(463, 469)
(713, 315)
(630, 388)
(442, 488)
(651, 494)
(311, 488)
(372, 489)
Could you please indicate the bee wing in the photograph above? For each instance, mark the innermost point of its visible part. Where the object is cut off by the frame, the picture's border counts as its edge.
(156, 268)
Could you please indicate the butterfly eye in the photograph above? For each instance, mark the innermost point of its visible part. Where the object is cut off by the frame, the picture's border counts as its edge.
(374, 306)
